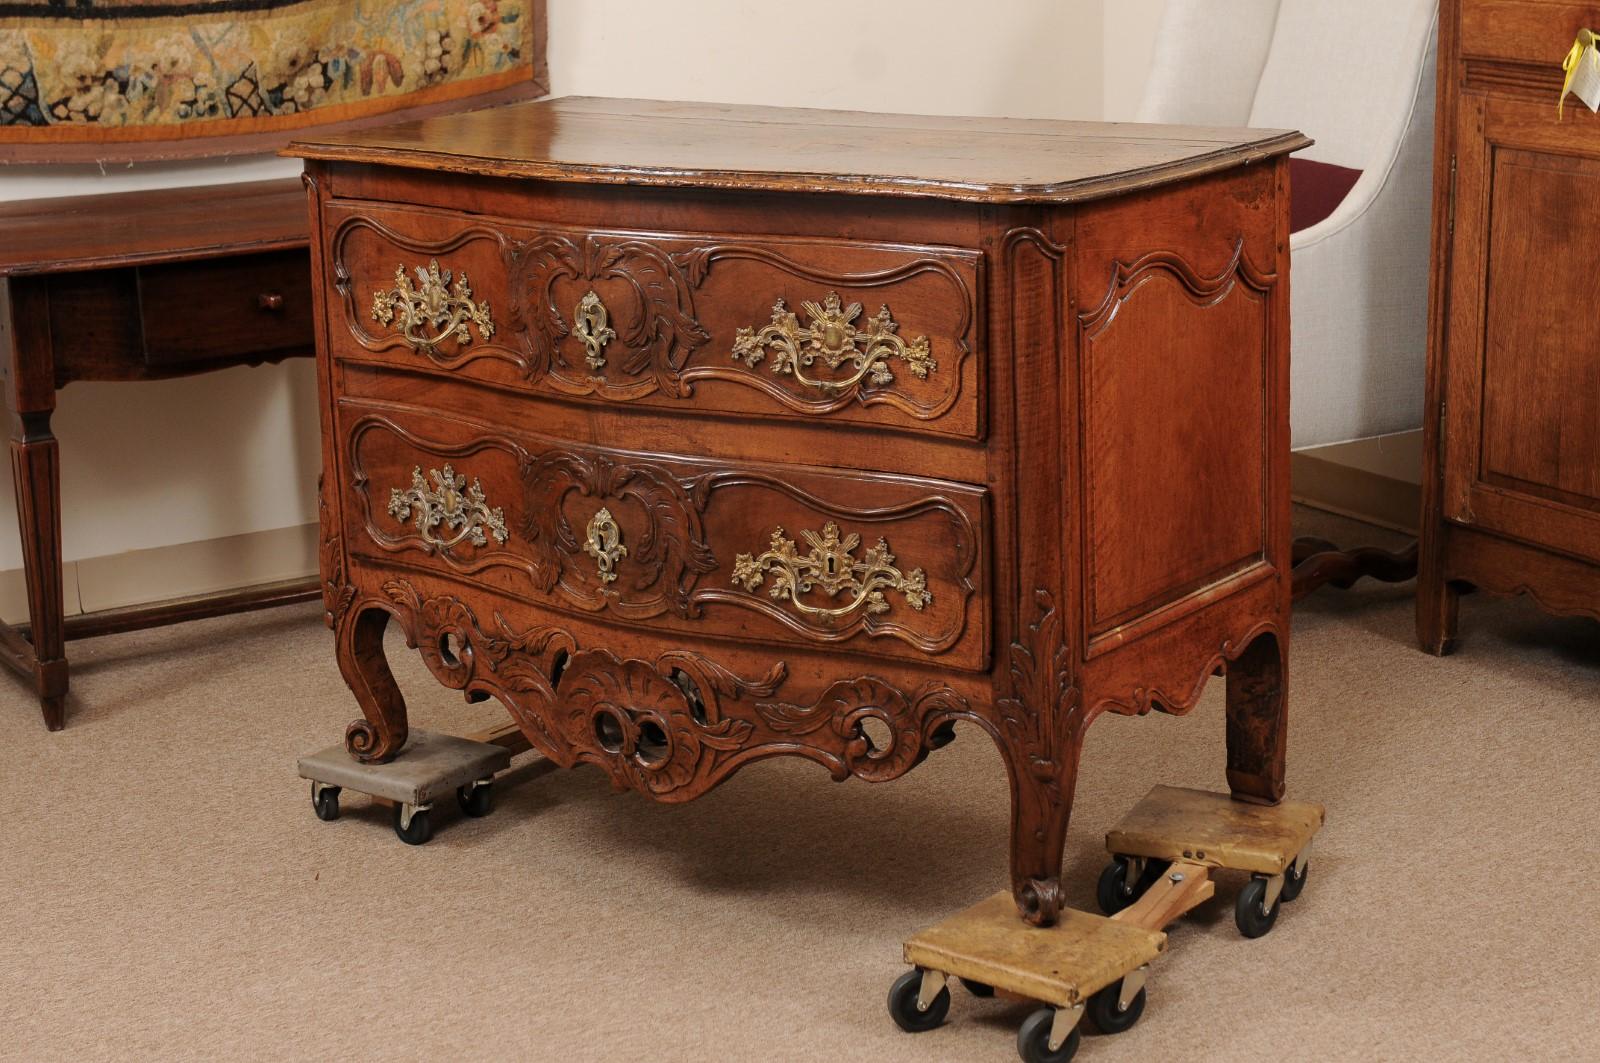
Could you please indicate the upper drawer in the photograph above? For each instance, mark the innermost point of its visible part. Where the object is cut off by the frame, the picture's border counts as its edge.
(786, 555)
(797, 328)
(1525, 31)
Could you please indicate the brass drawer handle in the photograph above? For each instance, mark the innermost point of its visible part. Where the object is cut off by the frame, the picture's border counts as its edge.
(604, 544)
(451, 503)
(434, 311)
(831, 335)
(832, 568)
(271, 302)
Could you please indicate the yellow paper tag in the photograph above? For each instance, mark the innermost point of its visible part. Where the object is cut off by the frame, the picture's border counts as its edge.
(1582, 67)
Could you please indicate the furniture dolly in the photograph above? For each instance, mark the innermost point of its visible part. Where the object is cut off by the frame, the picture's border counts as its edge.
(432, 766)
(1163, 853)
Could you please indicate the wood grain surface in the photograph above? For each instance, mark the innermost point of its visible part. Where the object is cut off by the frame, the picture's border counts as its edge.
(648, 142)
(155, 225)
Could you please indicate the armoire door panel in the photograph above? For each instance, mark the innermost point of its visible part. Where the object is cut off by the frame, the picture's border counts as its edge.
(1524, 377)
(1511, 439)
(1541, 376)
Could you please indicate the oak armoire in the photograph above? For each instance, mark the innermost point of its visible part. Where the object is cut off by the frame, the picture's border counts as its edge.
(1511, 492)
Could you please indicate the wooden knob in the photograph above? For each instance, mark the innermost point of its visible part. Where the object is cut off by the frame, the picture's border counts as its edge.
(272, 301)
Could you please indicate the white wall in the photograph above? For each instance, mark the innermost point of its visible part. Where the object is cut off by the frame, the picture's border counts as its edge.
(157, 464)
(1130, 42)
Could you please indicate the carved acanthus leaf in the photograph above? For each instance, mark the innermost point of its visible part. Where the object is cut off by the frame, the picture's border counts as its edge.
(1043, 709)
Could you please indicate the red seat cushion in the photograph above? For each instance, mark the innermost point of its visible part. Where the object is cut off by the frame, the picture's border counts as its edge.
(1315, 191)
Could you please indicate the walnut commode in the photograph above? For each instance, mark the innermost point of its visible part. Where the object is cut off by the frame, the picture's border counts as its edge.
(700, 434)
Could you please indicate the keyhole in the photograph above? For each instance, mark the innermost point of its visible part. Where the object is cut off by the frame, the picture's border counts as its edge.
(831, 565)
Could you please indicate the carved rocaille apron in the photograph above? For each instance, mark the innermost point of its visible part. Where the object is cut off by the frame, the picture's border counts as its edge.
(692, 454)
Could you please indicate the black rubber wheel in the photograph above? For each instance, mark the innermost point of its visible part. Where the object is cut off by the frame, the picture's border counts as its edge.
(978, 989)
(419, 832)
(1113, 892)
(1107, 1016)
(326, 803)
(1292, 884)
(1250, 910)
(1033, 1040)
(903, 1004)
(476, 801)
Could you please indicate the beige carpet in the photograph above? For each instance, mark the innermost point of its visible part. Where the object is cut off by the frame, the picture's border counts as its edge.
(168, 894)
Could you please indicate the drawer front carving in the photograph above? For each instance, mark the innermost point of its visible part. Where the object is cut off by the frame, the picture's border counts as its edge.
(796, 328)
(763, 552)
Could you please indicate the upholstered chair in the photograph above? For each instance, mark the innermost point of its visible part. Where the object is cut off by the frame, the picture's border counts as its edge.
(1358, 77)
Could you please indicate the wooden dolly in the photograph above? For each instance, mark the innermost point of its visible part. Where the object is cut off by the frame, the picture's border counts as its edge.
(1163, 853)
(429, 766)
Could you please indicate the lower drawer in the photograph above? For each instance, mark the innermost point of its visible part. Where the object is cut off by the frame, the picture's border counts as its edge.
(889, 565)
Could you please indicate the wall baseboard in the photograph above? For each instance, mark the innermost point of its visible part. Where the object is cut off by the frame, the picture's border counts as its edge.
(140, 577)
(1374, 480)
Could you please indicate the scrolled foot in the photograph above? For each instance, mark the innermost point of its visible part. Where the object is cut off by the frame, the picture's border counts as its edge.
(1040, 900)
(367, 744)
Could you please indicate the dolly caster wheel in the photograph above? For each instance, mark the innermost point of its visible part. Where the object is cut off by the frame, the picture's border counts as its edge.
(978, 989)
(1293, 883)
(1115, 892)
(415, 829)
(476, 799)
(1106, 1008)
(1250, 911)
(1033, 1039)
(325, 801)
(905, 1003)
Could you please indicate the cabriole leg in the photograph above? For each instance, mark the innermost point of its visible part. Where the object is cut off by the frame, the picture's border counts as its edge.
(382, 733)
(1041, 806)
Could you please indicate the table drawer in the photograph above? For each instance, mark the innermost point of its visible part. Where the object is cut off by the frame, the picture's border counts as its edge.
(1525, 31)
(794, 328)
(226, 309)
(772, 553)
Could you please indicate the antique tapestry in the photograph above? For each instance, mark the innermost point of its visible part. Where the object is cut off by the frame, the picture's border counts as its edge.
(121, 79)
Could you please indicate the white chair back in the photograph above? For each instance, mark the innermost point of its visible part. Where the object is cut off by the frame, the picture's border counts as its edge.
(1208, 62)
(1345, 74)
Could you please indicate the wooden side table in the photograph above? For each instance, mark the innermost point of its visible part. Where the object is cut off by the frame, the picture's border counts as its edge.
(134, 286)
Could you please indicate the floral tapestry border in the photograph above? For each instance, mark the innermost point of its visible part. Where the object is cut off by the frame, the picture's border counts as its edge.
(133, 79)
